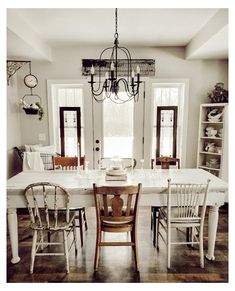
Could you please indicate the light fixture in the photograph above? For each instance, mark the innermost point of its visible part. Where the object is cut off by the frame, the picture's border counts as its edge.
(112, 86)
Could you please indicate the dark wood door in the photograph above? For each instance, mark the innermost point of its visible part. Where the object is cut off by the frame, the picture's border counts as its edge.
(166, 126)
(70, 131)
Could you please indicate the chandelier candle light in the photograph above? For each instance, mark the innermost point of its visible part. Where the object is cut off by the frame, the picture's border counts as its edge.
(112, 86)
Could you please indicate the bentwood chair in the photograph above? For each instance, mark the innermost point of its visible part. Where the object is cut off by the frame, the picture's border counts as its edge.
(116, 211)
(49, 212)
(183, 201)
(71, 163)
(165, 163)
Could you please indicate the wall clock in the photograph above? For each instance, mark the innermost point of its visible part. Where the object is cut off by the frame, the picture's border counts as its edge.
(30, 81)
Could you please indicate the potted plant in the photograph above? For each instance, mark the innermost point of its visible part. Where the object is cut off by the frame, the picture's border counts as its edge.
(218, 94)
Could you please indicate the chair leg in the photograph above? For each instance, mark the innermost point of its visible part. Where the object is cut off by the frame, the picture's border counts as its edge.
(33, 251)
(41, 240)
(201, 248)
(84, 218)
(155, 216)
(75, 238)
(49, 236)
(151, 217)
(66, 252)
(134, 233)
(97, 249)
(132, 239)
(81, 226)
(158, 229)
(187, 234)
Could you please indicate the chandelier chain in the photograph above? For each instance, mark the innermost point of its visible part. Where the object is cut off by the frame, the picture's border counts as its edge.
(116, 23)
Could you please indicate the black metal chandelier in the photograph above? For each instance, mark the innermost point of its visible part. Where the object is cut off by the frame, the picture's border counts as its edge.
(112, 86)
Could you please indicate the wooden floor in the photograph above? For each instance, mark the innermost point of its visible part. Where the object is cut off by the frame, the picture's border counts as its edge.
(117, 263)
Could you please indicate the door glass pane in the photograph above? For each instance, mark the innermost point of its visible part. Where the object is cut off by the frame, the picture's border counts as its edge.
(118, 134)
(70, 133)
(168, 94)
(71, 97)
(166, 133)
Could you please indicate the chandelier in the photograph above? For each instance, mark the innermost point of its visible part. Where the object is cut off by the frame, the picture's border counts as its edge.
(113, 87)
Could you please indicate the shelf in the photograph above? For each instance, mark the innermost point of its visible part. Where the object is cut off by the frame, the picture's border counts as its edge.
(207, 168)
(209, 153)
(211, 122)
(220, 128)
(213, 105)
(211, 137)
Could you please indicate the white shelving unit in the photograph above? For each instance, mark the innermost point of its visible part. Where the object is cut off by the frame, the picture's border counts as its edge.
(220, 139)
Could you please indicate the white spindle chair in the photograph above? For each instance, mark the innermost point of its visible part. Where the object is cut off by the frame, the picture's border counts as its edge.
(45, 201)
(183, 201)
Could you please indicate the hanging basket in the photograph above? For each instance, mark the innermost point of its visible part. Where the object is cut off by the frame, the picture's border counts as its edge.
(31, 110)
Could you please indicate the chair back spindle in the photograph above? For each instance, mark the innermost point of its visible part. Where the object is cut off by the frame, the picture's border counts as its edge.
(187, 198)
(68, 163)
(44, 200)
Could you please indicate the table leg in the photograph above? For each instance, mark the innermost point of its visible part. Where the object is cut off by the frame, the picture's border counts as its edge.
(212, 229)
(13, 232)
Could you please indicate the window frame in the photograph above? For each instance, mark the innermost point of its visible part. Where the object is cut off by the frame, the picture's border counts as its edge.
(158, 128)
(149, 116)
(62, 139)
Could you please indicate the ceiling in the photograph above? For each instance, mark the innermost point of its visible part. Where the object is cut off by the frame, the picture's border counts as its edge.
(136, 27)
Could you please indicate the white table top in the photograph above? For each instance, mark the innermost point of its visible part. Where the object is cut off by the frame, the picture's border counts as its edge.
(152, 180)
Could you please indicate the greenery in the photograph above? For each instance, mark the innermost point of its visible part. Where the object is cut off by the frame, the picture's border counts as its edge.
(40, 111)
(218, 94)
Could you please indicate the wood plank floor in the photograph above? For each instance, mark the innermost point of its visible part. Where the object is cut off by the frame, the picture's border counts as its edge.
(117, 263)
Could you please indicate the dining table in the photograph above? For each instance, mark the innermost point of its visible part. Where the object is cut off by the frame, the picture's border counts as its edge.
(79, 184)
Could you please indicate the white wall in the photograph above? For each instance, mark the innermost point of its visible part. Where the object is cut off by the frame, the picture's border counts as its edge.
(13, 127)
(170, 63)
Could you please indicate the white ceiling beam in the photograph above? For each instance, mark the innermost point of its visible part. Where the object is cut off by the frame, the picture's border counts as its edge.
(205, 37)
(19, 27)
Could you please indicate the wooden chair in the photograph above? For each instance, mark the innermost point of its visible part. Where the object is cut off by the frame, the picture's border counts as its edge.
(183, 201)
(116, 211)
(45, 203)
(71, 163)
(165, 163)
(67, 163)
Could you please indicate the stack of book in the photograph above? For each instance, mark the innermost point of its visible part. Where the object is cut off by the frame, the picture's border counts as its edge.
(116, 174)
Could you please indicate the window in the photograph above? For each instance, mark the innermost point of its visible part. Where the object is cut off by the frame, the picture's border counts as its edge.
(166, 131)
(170, 121)
(70, 131)
(69, 96)
(118, 131)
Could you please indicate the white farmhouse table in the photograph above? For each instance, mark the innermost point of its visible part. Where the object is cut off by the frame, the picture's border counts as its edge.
(80, 187)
